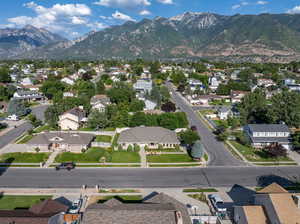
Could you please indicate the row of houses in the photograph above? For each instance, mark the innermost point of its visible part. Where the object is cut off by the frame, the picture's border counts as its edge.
(152, 137)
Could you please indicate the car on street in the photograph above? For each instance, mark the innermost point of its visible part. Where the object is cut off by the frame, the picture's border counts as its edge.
(76, 206)
(217, 203)
(65, 166)
(12, 118)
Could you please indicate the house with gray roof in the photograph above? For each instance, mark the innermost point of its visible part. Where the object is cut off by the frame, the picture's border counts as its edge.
(143, 85)
(159, 209)
(28, 95)
(151, 137)
(62, 141)
(261, 135)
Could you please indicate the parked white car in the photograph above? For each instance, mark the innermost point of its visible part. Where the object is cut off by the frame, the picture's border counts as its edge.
(12, 118)
(76, 206)
(217, 203)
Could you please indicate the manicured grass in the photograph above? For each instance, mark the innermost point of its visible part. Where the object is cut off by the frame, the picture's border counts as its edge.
(86, 129)
(123, 198)
(207, 190)
(25, 139)
(104, 166)
(44, 128)
(10, 202)
(125, 157)
(163, 150)
(25, 157)
(221, 123)
(276, 164)
(170, 158)
(118, 191)
(109, 129)
(103, 138)
(93, 155)
(200, 197)
(175, 165)
(253, 155)
(115, 140)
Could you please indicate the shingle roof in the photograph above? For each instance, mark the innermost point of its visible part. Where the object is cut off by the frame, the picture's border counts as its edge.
(160, 209)
(148, 135)
(61, 137)
(48, 207)
(100, 98)
(77, 112)
(255, 215)
(273, 188)
(268, 128)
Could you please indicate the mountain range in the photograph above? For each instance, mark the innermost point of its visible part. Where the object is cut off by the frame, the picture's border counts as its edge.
(264, 37)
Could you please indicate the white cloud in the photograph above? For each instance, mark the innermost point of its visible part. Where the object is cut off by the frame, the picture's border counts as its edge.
(121, 16)
(262, 2)
(166, 1)
(123, 3)
(97, 25)
(145, 13)
(62, 18)
(294, 10)
(240, 5)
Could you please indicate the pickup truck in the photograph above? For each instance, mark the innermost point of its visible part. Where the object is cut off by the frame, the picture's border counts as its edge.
(217, 203)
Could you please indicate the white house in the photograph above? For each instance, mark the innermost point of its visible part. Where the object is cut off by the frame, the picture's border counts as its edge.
(265, 82)
(26, 82)
(195, 84)
(72, 119)
(213, 83)
(68, 81)
(262, 135)
(143, 85)
(224, 113)
(100, 102)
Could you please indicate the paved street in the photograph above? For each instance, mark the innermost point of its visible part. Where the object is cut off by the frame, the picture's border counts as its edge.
(219, 155)
(145, 178)
(17, 132)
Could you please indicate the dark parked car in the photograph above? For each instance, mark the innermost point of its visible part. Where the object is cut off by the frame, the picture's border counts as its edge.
(65, 166)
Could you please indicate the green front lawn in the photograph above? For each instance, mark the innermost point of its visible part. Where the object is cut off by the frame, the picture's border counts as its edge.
(103, 138)
(125, 157)
(25, 139)
(10, 202)
(44, 128)
(253, 155)
(169, 158)
(163, 150)
(24, 157)
(199, 190)
(123, 198)
(93, 155)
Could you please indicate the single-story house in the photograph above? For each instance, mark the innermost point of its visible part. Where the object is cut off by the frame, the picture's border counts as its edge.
(72, 119)
(261, 135)
(237, 96)
(51, 141)
(159, 209)
(143, 85)
(45, 212)
(151, 137)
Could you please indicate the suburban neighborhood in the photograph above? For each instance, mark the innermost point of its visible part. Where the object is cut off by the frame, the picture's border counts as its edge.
(149, 142)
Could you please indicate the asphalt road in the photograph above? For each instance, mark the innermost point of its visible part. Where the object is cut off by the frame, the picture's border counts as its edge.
(17, 132)
(219, 155)
(146, 178)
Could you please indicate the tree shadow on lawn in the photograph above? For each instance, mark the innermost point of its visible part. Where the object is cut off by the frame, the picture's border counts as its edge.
(8, 163)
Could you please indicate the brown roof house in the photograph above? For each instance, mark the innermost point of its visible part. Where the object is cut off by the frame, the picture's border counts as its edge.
(45, 212)
(72, 119)
(272, 205)
(151, 137)
(51, 141)
(161, 209)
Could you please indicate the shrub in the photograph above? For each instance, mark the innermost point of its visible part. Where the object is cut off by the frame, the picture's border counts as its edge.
(276, 150)
(136, 148)
(37, 150)
(120, 148)
(160, 147)
(177, 147)
(129, 148)
(83, 150)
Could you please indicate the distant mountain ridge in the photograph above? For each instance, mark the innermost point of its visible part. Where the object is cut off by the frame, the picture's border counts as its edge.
(192, 35)
(17, 41)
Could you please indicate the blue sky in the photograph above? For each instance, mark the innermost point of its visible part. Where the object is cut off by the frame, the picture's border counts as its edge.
(72, 18)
